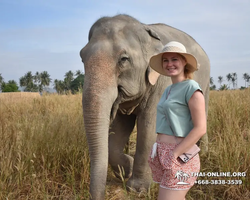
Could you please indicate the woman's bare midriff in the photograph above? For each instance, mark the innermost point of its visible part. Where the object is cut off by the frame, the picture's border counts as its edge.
(168, 138)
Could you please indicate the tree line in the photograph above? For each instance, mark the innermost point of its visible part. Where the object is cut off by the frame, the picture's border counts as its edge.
(232, 80)
(72, 82)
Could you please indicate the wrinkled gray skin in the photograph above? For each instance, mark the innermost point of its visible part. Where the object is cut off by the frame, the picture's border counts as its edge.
(119, 93)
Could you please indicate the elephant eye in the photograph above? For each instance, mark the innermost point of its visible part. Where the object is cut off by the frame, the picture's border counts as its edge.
(123, 59)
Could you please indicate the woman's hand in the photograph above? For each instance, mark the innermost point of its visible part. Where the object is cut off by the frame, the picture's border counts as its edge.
(174, 159)
(175, 155)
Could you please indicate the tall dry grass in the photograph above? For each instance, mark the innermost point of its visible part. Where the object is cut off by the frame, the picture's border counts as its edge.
(229, 145)
(44, 155)
(43, 151)
(14, 96)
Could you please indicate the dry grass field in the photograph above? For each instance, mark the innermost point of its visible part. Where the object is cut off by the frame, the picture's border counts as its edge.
(44, 154)
(13, 96)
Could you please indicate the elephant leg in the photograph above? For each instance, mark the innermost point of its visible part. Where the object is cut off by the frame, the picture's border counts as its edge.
(141, 176)
(120, 131)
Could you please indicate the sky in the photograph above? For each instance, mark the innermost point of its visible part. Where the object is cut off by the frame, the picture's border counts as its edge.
(42, 35)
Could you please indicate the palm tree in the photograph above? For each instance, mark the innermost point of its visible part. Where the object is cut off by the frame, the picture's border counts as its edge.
(78, 73)
(229, 78)
(220, 79)
(27, 82)
(29, 78)
(59, 86)
(22, 81)
(235, 83)
(37, 78)
(45, 80)
(246, 77)
(69, 76)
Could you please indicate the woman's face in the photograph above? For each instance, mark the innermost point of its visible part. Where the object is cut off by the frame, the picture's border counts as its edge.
(173, 64)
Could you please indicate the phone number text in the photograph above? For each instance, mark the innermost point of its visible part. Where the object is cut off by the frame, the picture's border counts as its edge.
(218, 182)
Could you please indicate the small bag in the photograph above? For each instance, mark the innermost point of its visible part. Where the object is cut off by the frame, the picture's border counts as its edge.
(185, 157)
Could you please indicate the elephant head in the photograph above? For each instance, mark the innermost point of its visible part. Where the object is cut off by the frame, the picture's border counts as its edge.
(117, 76)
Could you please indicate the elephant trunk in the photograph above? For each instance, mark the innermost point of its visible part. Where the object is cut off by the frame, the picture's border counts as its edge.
(97, 101)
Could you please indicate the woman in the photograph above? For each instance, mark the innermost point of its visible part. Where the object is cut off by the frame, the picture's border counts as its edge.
(180, 123)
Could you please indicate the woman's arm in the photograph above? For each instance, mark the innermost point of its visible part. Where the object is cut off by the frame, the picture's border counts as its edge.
(196, 105)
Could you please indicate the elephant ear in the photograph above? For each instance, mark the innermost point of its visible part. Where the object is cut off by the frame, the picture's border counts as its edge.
(153, 76)
(152, 33)
(156, 47)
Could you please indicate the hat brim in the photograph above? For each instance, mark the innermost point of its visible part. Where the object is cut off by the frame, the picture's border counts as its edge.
(156, 62)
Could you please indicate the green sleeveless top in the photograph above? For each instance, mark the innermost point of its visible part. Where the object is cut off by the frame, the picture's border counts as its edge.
(174, 110)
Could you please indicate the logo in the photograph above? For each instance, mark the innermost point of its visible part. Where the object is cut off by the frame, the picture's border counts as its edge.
(182, 177)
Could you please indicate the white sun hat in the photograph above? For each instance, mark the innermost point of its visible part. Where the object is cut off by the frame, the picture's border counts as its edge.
(173, 47)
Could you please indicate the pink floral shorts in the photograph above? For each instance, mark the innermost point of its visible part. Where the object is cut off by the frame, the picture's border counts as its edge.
(171, 173)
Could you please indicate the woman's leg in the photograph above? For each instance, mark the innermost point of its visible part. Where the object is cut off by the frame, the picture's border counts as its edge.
(166, 194)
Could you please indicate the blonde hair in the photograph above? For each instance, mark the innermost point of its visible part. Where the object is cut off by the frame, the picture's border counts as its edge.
(188, 74)
(187, 70)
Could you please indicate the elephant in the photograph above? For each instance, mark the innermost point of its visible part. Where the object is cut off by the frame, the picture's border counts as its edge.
(121, 91)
